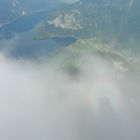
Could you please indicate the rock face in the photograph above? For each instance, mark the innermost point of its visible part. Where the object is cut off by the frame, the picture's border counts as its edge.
(66, 21)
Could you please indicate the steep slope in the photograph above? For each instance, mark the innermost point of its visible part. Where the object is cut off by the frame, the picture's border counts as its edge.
(11, 9)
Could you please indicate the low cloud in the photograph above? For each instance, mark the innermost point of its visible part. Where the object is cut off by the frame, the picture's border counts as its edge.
(39, 100)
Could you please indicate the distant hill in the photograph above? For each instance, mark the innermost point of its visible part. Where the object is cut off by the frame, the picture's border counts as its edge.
(11, 9)
(109, 20)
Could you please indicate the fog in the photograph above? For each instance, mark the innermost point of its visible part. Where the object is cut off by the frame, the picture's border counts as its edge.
(39, 100)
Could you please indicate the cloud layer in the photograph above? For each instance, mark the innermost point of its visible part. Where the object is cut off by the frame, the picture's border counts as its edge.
(39, 101)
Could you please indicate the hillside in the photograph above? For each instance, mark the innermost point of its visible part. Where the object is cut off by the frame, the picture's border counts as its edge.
(113, 21)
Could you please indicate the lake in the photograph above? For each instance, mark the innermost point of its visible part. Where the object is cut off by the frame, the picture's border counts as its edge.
(19, 33)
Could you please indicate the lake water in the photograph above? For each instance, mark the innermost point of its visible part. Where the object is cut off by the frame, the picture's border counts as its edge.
(19, 36)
